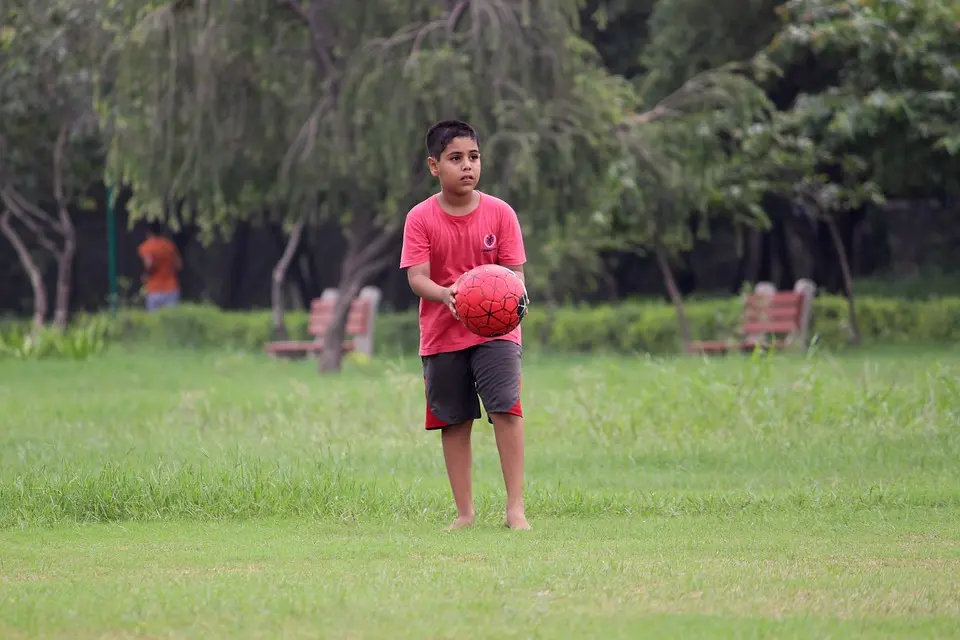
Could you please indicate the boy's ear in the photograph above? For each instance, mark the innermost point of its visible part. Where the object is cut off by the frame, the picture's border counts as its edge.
(433, 166)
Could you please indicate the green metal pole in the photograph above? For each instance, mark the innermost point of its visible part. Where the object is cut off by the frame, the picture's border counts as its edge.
(112, 248)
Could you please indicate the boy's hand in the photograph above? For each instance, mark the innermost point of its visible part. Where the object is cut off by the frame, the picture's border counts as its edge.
(449, 299)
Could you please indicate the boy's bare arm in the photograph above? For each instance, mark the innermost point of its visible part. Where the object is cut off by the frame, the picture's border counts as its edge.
(419, 278)
(420, 283)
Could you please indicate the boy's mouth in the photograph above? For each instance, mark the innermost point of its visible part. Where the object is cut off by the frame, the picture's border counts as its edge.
(466, 179)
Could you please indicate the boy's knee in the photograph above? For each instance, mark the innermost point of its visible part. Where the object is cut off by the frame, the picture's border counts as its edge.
(458, 430)
(506, 420)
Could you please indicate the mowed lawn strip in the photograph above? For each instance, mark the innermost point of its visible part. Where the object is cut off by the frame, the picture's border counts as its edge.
(881, 572)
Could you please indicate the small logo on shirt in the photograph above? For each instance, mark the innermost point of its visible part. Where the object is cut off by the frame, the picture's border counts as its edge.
(489, 241)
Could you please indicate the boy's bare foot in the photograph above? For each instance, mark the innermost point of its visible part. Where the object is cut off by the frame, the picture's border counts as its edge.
(462, 522)
(517, 521)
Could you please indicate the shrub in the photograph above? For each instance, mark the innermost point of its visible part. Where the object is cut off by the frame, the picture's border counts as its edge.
(82, 340)
(628, 327)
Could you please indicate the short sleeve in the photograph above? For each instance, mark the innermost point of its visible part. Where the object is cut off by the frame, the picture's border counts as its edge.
(511, 251)
(416, 244)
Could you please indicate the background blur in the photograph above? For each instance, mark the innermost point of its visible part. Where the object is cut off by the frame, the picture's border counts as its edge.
(735, 140)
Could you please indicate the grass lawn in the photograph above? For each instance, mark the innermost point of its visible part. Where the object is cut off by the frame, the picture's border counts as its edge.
(187, 495)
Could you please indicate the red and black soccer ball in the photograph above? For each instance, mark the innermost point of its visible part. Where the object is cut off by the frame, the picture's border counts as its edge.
(491, 300)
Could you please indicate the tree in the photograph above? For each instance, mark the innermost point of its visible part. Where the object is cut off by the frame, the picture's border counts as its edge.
(354, 87)
(47, 135)
(682, 163)
(888, 123)
(555, 157)
(510, 70)
(209, 105)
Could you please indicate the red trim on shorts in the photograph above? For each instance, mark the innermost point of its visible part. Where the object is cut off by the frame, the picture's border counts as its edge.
(431, 421)
(517, 408)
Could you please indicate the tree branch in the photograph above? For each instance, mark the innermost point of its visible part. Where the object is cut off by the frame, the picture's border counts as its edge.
(365, 273)
(371, 249)
(321, 54)
(280, 270)
(649, 116)
(18, 244)
(59, 150)
(24, 209)
(456, 15)
(64, 257)
(30, 266)
(715, 88)
(15, 208)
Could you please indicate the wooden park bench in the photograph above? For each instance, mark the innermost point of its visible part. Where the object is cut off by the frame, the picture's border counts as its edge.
(772, 319)
(359, 329)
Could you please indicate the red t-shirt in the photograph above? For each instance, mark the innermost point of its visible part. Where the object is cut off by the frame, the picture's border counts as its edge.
(490, 234)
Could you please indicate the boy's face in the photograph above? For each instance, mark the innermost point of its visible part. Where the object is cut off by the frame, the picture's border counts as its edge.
(458, 167)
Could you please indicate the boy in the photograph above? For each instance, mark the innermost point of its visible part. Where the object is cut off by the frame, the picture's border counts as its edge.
(443, 237)
(161, 262)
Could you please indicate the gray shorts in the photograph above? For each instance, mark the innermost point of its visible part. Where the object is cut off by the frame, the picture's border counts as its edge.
(458, 381)
(167, 299)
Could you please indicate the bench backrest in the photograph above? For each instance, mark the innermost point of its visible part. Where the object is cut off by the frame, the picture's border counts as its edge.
(321, 315)
(778, 314)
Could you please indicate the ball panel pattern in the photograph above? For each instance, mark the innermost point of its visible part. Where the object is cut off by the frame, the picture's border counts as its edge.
(491, 300)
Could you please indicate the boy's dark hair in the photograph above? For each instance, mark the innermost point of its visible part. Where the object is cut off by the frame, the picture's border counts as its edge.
(155, 227)
(442, 133)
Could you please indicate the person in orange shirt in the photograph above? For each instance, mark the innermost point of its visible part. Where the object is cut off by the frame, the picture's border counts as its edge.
(161, 263)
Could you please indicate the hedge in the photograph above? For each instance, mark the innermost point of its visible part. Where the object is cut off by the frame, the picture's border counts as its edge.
(628, 327)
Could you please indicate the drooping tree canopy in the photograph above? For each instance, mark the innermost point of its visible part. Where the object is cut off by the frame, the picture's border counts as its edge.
(608, 124)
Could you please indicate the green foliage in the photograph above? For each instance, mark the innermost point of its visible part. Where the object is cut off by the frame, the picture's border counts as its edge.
(48, 57)
(925, 284)
(193, 326)
(630, 327)
(890, 115)
(202, 104)
(682, 162)
(247, 108)
(618, 30)
(691, 36)
(85, 339)
(652, 327)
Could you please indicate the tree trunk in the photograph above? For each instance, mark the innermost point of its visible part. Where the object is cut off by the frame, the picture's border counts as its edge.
(66, 254)
(672, 290)
(279, 277)
(30, 266)
(61, 312)
(331, 360)
(847, 276)
(359, 266)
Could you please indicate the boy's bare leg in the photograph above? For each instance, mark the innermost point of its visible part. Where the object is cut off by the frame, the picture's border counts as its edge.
(458, 457)
(508, 430)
